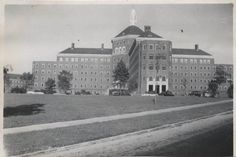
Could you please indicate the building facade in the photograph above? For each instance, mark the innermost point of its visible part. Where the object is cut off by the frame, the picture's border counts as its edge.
(154, 66)
(14, 81)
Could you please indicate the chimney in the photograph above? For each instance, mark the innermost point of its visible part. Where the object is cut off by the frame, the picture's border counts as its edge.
(196, 47)
(72, 45)
(102, 46)
(147, 28)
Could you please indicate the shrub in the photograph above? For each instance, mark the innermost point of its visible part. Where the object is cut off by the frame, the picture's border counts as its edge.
(230, 91)
(18, 90)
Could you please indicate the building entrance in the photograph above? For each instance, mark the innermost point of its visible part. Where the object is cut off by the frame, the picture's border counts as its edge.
(150, 88)
(163, 89)
(157, 89)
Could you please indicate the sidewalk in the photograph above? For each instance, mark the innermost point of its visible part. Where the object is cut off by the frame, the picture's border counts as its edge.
(102, 119)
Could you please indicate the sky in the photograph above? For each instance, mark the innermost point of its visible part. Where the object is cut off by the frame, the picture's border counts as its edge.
(40, 32)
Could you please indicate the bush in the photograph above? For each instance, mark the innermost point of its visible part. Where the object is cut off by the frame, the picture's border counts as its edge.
(84, 92)
(18, 90)
(77, 93)
(230, 91)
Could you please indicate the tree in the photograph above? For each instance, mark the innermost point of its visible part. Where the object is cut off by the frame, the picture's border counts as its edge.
(7, 81)
(213, 87)
(220, 74)
(28, 78)
(220, 77)
(64, 79)
(230, 91)
(121, 74)
(184, 82)
(50, 86)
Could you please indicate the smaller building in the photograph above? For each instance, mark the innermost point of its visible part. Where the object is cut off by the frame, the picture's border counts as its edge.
(14, 81)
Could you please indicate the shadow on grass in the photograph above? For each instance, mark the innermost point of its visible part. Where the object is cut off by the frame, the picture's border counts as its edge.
(25, 110)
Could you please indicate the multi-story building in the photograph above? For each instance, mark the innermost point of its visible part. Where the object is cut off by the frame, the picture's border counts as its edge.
(154, 66)
(150, 63)
(192, 69)
(91, 69)
(14, 81)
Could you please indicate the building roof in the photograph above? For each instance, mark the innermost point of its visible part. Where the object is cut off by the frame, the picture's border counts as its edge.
(86, 51)
(130, 30)
(14, 76)
(149, 34)
(178, 51)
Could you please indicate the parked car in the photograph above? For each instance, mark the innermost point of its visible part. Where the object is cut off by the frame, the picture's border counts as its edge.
(210, 94)
(195, 93)
(121, 92)
(167, 93)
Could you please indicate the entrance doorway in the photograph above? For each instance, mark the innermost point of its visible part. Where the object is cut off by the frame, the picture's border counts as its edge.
(150, 88)
(163, 88)
(157, 89)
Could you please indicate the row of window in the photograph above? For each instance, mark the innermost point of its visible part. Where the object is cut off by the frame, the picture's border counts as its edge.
(154, 47)
(151, 57)
(151, 67)
(191, 81)
(158, 78)
(74, 72)
(192, 68)
(193, 74)
(73, 66)
(120, 50)
(191, 87)
(16, 81)
(191, 60)
(76, 86)
(73, 59)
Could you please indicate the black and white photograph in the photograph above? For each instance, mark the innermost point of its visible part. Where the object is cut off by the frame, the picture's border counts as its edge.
(117, 79)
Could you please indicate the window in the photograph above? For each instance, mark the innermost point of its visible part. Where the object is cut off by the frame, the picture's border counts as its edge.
(191, 60)
(150, 67)
(208, 61)
(151, 46)
(163, 68)
(67, 59)
(144, 47)
(150, 56)
(164, 47)
(42, 71)
(181, 60)
(150, 78)
(82, 59)
(72, 59)
(49, 71)
(185, 60)
(163, 78)
(195, 61)
(43, 65)
(60, 59)
(76, 59)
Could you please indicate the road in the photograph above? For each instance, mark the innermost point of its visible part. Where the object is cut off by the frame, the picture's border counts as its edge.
(217, 142)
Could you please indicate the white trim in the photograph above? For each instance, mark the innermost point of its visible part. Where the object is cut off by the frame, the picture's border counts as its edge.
(85, 55)
(124, 37)
(191, 56)
(155, 39)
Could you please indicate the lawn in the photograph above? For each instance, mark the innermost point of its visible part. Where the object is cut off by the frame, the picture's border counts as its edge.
(21, 110)
(40, 140)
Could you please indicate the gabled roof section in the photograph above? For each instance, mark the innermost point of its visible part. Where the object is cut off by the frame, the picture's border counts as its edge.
(131, 30)
(87, 51)
(179, 51)
(149, 34)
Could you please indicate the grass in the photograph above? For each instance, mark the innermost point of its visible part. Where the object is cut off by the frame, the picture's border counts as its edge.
(39, 140)
(64, 108)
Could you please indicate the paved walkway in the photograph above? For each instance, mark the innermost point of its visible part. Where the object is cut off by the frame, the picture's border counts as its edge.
(47, 126)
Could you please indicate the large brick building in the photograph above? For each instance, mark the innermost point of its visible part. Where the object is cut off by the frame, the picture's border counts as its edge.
(152, 62)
